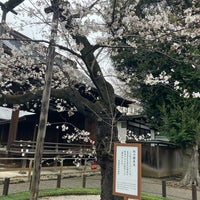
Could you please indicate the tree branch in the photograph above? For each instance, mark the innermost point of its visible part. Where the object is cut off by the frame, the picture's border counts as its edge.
(71, 95)
(105, 89)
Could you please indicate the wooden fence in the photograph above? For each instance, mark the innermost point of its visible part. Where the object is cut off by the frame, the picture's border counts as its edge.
(84, 181)
(27, 149)
(55, 172)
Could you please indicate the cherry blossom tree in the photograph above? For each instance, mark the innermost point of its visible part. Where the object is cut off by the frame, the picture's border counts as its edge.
(132, 24)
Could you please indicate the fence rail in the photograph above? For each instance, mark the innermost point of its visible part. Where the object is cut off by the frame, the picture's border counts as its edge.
(86, 167)
(53, 175)
(149, 186)
(27, 149)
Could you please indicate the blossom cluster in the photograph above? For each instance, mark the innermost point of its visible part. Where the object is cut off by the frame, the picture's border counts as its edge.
(163, 78)
(131, 135)
(153, 22)
(78, 135)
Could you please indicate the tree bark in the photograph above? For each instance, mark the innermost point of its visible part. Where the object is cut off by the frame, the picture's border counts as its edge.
(105, 152)
(190, 158)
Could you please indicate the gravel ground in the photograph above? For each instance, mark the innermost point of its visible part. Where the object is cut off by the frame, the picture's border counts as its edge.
(149, 186)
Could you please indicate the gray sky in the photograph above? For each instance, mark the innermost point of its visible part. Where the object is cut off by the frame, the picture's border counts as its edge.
(15, 21)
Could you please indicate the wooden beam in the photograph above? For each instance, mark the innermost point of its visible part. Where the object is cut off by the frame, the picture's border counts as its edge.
(13, 126)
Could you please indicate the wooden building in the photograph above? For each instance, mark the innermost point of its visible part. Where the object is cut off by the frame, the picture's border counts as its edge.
(68, 116)
(18, 133)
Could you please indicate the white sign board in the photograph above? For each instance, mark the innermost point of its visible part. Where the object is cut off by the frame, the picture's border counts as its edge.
(127, 170)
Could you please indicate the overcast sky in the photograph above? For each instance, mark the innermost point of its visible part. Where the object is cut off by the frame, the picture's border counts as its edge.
(15, 21)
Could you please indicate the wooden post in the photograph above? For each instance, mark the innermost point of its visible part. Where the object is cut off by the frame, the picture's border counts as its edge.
(157, 157)
(35, 133)
(164, 188)
(85, 165)
(6, 186)
(13, 126)
(58, 181)
(45, 102)
(61, 166)
(24, 161)
(194, 192)
(84, 181)
(30, 169)
(30, 182)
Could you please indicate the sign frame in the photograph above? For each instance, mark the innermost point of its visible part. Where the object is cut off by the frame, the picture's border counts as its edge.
(119, 147)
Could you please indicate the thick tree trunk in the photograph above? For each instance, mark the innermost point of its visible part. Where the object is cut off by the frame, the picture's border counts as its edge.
(106, 132)
(106, 110)
(190, 159)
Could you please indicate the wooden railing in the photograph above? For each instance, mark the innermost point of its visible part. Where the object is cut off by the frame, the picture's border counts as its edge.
(27, 149)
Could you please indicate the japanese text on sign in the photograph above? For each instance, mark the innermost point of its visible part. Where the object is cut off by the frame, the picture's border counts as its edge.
(127, 170)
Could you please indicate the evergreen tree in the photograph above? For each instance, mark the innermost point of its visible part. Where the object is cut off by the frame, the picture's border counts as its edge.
(162, 68)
